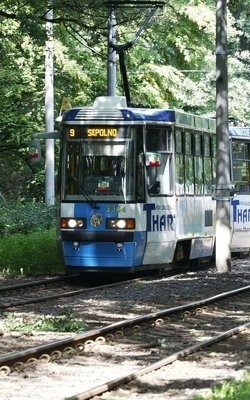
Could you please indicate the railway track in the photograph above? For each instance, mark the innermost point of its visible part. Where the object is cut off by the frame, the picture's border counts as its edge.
(150, 329)
(42, 290)
(47, 289)
(62, 286)
(33, 291)
(112, 385)
(35, 283)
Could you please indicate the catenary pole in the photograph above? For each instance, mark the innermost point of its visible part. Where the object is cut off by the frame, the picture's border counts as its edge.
(49, 110)
(223, 231)
(111, 53)
(112, 42)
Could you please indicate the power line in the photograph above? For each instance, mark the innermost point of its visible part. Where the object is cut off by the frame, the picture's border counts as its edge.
(135, 3)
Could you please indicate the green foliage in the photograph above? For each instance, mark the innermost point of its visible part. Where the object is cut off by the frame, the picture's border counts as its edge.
(28, 240)
(20, 78)
(34, 188)
(230, 390)
(67, 322)
(172, 64)
(18, 180)
(22, 218)
(33, 254)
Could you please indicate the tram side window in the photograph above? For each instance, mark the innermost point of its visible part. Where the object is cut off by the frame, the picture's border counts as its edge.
(160, 178)
(198, 163)
(140, 191)
(241, 165)
(179, 163)
(214, 150)
(188, 163)
(194, 162)
(72, 161)
(208, 164)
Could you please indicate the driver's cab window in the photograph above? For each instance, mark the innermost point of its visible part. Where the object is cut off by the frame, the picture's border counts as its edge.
(241, 165)
(159, 178)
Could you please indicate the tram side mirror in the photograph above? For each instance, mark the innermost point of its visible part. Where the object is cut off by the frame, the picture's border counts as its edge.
(152, 159)
(35, 155)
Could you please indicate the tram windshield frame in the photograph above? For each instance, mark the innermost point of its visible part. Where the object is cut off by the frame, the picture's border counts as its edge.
(103, 168)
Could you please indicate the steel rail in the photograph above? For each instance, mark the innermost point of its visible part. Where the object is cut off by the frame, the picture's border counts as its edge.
(73, 292)
(64, 294)
(110, 385)
(24, 285)
(93, 334)
(6, 288)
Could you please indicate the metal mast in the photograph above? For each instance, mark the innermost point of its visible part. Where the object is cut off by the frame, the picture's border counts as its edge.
(111, 52)
(114, 49)
(49, 110)
(223, 187)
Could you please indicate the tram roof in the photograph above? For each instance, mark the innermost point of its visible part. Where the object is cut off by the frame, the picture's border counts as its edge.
(176, 117)
(103, 111)
(239, 132)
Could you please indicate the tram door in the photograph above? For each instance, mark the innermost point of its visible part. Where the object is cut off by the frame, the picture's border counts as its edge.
(240, 203)
(160, 206)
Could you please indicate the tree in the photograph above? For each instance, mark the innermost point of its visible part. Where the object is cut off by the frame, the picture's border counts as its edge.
(171, 64)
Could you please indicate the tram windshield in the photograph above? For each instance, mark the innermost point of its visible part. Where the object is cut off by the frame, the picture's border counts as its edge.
(103, 170)
(241, 165)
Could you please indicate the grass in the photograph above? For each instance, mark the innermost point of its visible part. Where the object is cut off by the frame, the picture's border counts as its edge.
(31, 254)
(67, 322)
(230, 390)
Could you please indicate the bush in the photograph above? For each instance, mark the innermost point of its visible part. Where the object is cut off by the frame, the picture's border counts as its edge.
(35, 254)
(25, 217)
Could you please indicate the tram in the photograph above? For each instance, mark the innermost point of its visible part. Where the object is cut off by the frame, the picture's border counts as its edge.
(240, 202)
(135, 187)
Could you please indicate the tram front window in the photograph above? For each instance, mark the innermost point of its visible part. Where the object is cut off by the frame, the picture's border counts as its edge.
(241, 166)
(100, 171)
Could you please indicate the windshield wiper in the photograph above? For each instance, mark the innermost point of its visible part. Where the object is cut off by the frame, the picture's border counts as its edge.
(83, 192)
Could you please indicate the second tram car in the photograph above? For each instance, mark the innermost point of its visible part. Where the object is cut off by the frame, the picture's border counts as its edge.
(240, 202)
(135, 187)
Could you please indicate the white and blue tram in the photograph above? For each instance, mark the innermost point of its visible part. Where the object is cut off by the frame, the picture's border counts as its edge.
(135, 187)
(240, 202)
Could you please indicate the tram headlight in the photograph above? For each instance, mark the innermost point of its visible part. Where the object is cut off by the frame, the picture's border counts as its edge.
(73, 223)
(120, 223)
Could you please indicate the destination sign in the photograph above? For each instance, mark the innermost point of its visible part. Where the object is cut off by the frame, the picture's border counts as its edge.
(95, 132)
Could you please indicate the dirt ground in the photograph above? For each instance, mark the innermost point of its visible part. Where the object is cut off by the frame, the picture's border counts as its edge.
(181, 380)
